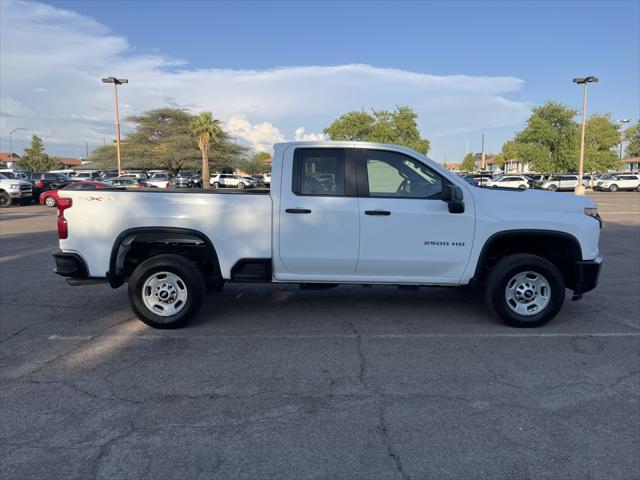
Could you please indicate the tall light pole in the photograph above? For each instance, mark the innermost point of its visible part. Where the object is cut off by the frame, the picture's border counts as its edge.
(583, 81)
(116, 82)
(624, 120)
(482, 154)
(11, 141)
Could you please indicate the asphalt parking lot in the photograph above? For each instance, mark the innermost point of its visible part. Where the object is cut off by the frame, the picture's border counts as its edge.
(272, 382)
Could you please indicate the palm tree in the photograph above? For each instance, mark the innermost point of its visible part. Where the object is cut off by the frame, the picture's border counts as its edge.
(207, 131)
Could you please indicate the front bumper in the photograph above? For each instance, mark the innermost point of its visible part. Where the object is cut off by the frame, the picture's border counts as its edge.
(19, 194)
(587, 274)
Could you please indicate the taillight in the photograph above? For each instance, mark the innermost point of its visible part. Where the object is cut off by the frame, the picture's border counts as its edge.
(40, 184)
(63, 229)
(169, 185)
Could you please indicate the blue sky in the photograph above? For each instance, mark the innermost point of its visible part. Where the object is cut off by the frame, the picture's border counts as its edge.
(276, 67)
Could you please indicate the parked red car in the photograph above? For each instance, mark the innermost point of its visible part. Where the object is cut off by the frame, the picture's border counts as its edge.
(50, 197)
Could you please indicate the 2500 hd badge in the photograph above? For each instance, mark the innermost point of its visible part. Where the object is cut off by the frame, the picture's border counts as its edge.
(444, 244)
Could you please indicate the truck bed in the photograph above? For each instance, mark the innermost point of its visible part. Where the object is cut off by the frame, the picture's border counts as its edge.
(237, 222)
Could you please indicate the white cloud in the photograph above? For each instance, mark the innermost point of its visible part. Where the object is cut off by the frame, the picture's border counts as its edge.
(260, 136)
(42, 45)
(308, 137)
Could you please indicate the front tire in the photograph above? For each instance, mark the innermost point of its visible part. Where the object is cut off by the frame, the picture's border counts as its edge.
(216, 185)
(613, 188)
(552, 188)
(241, 186)
(525, 290)
(5, 200)
(50, 201)
(166, 291)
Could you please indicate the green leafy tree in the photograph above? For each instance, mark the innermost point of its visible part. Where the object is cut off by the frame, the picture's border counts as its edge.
(35, 159)
(550, 132)
(632, 135)
(259, 163)
(601, 140)
(469, 163)
(398, 127)
(164, 138)
(207, 132)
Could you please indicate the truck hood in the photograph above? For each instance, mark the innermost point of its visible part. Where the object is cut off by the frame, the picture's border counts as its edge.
(530, 200)
(13, 181)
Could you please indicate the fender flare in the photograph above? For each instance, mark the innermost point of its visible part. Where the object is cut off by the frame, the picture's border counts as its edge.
(113, 275)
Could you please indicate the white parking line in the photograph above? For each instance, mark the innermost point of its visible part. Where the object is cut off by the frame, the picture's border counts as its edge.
(350, 335)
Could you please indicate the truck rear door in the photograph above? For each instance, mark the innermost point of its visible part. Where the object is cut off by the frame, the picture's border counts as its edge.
(318, 216)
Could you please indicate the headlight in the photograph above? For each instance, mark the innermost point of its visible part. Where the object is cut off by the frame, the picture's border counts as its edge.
(14, 186)
(591, 212)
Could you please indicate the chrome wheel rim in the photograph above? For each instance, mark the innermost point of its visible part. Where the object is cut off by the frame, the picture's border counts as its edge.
(164, 294)
(50, 201)
(527, 293)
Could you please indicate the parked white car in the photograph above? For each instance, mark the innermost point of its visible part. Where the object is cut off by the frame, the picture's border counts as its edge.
(266, 178)
(402, 219)
(509, 181)
(562, 183)
(619, 181)
(231, 181)
(160, 180)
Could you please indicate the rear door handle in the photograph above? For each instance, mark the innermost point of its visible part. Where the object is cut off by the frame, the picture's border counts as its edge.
(298, 210)
(384, 213)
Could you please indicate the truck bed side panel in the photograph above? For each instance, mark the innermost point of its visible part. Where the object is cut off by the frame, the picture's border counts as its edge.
(239, 226)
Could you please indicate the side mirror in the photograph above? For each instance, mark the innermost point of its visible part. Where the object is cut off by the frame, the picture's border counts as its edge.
(454, 197)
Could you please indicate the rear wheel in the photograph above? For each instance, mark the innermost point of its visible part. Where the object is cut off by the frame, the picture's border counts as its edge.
(525, 290)
(613, 188)
(522, 187)
(166, 291)
(241, 186)
(5, 200)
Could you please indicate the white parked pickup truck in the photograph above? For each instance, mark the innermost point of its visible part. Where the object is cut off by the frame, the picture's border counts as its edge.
(337, 213)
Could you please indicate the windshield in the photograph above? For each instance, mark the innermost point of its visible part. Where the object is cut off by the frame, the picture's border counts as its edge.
(2, 177)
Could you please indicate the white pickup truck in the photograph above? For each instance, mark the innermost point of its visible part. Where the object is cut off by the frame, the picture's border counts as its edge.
(337, 213)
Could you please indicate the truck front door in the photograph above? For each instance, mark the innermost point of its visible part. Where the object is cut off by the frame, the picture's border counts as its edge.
(319, 232)
(406, 230)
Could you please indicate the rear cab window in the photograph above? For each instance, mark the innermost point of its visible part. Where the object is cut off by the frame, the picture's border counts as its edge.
(319, 172)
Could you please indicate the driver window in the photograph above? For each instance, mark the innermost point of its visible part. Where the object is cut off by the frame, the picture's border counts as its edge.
(392, 174)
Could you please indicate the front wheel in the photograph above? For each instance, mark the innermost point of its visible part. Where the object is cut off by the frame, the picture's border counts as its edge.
(216, 185)
(613, 188)
(50, 201)
(552, 188)
(241, 186)
(5, 200)
(522, 187)
(525, 290)
(166, 291)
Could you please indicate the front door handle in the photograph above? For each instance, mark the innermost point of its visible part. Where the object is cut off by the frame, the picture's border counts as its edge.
(298, 210)
(384, 213)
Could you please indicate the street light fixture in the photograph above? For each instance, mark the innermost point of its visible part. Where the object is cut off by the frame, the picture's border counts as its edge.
(116, 82)
(11, 141)
(583, 81)
(624, 120)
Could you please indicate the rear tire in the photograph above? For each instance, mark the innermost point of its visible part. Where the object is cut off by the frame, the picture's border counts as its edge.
(525, 290)
(166, 291)
(241, 186)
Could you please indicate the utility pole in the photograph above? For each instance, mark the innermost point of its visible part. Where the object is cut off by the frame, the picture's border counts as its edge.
(583, 81)
(11, 142)
(482, 154)
(622, 122)
(116, 82)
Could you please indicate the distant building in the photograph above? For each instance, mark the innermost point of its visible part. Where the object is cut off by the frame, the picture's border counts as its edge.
(69, 162)
(454, 167)
(8, 160)
(632, 164)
